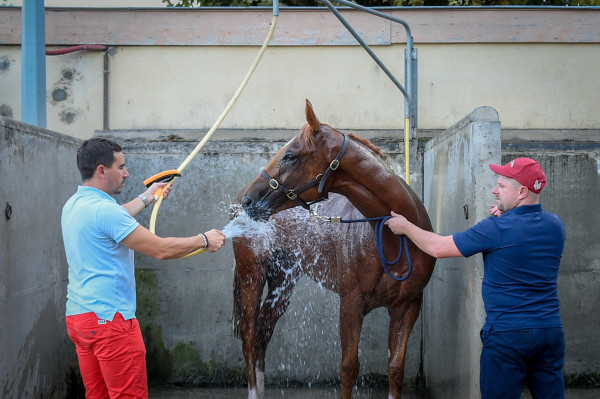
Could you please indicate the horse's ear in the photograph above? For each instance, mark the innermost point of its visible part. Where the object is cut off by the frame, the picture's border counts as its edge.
(311, 118)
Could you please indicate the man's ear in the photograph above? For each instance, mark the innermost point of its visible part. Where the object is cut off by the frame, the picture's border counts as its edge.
(100, 170)
(523, 192)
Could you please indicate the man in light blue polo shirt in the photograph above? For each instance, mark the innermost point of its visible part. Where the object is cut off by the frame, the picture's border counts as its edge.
(100, 238)
(522, 245)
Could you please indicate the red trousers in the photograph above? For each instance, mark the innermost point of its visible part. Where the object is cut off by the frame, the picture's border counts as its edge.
(112, 356)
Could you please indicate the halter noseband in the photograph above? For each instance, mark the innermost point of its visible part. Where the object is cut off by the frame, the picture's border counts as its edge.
(292, 194)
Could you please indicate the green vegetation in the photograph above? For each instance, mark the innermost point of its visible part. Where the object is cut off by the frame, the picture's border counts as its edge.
(383, 3)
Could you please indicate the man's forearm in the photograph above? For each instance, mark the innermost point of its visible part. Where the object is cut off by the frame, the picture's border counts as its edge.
(135, 206)
(434, 244)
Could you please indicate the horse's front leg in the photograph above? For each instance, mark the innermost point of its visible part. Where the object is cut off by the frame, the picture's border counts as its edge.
(280, 289)
(402, 320)
(351, 320)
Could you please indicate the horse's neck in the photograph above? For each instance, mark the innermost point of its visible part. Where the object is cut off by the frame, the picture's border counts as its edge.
(371, 185)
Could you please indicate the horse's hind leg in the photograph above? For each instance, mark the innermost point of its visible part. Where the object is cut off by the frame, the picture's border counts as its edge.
(402, 320)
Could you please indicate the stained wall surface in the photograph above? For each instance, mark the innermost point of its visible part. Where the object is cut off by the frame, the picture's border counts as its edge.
(185, 306)
(179, 68)
(37, 173)
(457, 194)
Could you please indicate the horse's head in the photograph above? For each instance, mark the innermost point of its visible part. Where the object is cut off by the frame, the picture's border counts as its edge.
(298, 172)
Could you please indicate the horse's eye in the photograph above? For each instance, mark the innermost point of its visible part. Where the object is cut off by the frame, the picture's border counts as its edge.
(289, 157)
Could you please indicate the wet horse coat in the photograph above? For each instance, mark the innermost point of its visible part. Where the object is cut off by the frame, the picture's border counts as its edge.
(343, 259)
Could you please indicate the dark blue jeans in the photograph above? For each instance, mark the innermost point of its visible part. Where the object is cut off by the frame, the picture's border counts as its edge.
(531, 357)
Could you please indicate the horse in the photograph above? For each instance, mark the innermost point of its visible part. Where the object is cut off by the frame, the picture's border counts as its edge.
(342, 257)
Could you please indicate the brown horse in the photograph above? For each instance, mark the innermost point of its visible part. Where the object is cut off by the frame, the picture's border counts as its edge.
(342, 257)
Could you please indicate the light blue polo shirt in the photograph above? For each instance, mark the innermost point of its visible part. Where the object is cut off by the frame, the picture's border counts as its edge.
(101, 270)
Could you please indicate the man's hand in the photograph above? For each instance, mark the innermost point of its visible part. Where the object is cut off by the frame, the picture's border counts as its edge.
(434, 244)
(397, 223)
(155, 186)
(494, 211)
(216, 239)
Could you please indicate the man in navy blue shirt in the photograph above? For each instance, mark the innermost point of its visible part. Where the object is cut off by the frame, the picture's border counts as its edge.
(523, 340)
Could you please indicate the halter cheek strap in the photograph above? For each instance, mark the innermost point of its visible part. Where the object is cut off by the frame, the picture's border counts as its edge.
(292, 194)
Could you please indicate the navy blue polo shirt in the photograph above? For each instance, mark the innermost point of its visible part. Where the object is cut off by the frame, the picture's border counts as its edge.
(521, 254)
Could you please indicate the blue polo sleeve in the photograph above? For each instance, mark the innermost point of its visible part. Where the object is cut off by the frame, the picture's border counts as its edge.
(484, 236)
(115, 221)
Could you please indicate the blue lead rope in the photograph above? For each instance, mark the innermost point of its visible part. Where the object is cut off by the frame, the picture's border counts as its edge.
(379, 241)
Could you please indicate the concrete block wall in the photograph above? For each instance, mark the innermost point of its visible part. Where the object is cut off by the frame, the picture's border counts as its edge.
(457, 190)
(185, 305)
(178, 68)
(37, 171)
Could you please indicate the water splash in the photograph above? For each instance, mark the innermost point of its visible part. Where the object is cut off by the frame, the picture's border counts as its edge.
(244, 226)
(261, 234)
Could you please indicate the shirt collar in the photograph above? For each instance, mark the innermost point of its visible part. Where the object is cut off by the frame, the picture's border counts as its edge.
(527, 208)
(88, 190)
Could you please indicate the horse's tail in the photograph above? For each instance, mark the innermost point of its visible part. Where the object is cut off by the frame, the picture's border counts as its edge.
(236, 317)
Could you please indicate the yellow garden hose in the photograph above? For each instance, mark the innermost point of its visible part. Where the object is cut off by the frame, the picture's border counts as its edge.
(201, 144)
(407, 150)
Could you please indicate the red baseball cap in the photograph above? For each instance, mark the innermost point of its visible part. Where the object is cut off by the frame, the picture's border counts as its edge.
(524, 170)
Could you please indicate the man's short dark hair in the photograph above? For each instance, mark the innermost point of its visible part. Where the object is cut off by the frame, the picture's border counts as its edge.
(95, 152)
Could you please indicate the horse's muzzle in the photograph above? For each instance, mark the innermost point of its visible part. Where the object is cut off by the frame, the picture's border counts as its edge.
(258, 211)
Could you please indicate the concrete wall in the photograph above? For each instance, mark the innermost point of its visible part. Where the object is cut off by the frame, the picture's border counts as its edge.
(458, 184)
(185, 305)
(178, 69)
(37, 171)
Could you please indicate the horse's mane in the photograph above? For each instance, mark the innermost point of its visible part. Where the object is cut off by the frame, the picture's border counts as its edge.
(368, 144)
(307, 136)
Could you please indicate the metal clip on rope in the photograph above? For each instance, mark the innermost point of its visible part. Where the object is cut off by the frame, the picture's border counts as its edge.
(330, 219)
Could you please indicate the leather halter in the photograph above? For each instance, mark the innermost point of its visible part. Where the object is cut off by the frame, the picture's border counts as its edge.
(292, 194)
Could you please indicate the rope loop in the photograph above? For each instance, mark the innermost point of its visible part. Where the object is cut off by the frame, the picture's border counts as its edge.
(380, 223)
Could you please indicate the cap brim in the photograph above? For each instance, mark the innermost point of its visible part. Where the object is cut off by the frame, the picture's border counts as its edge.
(501, 170)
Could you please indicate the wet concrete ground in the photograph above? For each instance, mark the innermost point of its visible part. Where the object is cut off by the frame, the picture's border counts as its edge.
(320, 393)
(274, 393)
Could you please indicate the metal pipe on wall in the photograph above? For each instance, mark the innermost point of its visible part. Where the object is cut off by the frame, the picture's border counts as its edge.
(33, 78)
(105, 93)
(409, 93)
